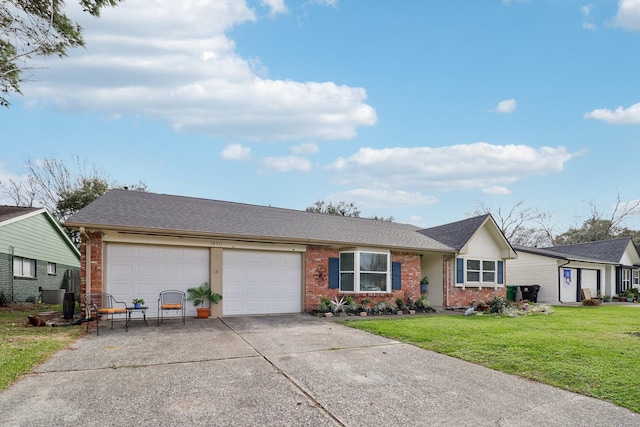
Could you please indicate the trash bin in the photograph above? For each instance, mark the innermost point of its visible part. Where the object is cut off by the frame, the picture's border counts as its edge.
(68, 305)
(512, 291)
(530, 292)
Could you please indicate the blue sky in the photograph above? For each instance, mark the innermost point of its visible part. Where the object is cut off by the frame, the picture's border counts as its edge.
(418, 110)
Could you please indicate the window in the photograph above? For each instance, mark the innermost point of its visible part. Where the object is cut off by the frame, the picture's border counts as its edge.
(636, 277)
(481, 271)
(51, 268)
(626, 278)
(364, 271)
(24, 267)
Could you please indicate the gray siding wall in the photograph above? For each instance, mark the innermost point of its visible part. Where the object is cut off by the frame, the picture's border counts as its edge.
(25, 288)
(36, 238)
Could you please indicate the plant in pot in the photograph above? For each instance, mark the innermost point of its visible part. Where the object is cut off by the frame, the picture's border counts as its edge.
(137, 302)
(423, 284)
(199, 296)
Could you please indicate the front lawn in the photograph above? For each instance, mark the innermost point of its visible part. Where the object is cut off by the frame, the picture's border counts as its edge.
(594, 351)
(22, 347)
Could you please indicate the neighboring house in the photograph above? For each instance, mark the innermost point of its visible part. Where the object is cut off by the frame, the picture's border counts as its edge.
(271, 260)
(606, 267)
(35, 252)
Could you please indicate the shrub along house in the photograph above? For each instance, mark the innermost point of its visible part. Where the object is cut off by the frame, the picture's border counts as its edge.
(35, 252)
(271, 260)
(606, 267)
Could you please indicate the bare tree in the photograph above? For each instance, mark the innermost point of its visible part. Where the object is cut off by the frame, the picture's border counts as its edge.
(521, 225)
(600, 227)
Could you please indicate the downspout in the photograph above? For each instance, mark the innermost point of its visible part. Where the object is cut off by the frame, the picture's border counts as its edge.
(560, 281)
(87, 262)
(12, 249)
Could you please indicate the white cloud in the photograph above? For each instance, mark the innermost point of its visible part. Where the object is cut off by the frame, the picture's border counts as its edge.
(628, 15)
(421, 169)
(275, 6)
(378, 198)
(496, 190)
(619, 116)
(235, 152)
(172, 60)
(331, 3)
(586, 12)
(305, 148)
(506, 106)
(287, 164)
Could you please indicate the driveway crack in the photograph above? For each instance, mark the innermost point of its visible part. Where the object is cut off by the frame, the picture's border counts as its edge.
(291, 380)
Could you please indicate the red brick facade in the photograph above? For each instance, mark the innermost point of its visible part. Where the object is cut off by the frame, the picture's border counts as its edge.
(96, 262)
(464, 297)
(316, 282)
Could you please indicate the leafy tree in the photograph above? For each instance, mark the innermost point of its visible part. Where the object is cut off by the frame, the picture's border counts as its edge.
(89, 189)
(341, 209)
(31, 28)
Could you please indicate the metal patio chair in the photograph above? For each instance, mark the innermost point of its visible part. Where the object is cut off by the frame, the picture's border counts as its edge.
(102, 304)
(170, 300)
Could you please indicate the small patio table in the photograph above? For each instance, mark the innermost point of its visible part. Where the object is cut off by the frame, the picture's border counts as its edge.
(142, 309)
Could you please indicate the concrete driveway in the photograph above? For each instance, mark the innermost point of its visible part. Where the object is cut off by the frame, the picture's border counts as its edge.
(290, 370)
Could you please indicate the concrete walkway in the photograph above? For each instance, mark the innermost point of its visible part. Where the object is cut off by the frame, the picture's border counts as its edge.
(290, 370)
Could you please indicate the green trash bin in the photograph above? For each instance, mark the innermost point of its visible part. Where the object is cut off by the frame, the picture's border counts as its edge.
(511, 293)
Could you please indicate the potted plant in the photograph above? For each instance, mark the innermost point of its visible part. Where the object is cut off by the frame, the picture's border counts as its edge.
(423, 284)
(198, 296)
(137, 302)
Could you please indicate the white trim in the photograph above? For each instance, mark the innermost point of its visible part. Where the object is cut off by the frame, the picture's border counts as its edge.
(112, 237)
(357, 272)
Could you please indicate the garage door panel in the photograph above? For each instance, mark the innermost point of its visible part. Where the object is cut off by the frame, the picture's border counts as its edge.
(139, 271)
(258, 282)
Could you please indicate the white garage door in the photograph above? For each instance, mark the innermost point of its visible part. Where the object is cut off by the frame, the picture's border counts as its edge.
(141, 271)
(261, 282)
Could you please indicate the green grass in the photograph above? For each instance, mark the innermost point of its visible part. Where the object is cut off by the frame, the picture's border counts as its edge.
(22, 348)
(587, 350)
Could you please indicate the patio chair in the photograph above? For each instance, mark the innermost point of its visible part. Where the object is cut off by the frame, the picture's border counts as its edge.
(102, 304)
(170, 300)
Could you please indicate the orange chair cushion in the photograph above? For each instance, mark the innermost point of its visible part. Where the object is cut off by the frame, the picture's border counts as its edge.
(112, 310)
(171, 306)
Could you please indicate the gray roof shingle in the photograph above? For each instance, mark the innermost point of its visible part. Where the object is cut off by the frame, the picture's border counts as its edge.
(132, 210)
(608, 251)
(456, 234)
(10, 212)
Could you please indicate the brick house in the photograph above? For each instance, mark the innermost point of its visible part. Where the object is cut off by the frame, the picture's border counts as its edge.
(271, 260)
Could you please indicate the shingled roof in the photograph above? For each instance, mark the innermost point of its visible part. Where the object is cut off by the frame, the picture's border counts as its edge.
(607, 251)
(134, 211)
(456, 234)
(10, 212)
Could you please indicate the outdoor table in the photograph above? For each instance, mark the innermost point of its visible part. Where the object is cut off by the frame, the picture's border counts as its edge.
(130, 310)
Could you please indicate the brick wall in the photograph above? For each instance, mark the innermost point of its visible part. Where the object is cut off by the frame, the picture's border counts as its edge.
(96, 262)
(316, 281)
(459, 297)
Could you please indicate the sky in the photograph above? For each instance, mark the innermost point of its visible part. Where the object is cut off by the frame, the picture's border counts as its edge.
(420, 110)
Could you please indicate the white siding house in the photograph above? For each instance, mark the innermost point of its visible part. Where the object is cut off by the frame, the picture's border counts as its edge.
(605, 267)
